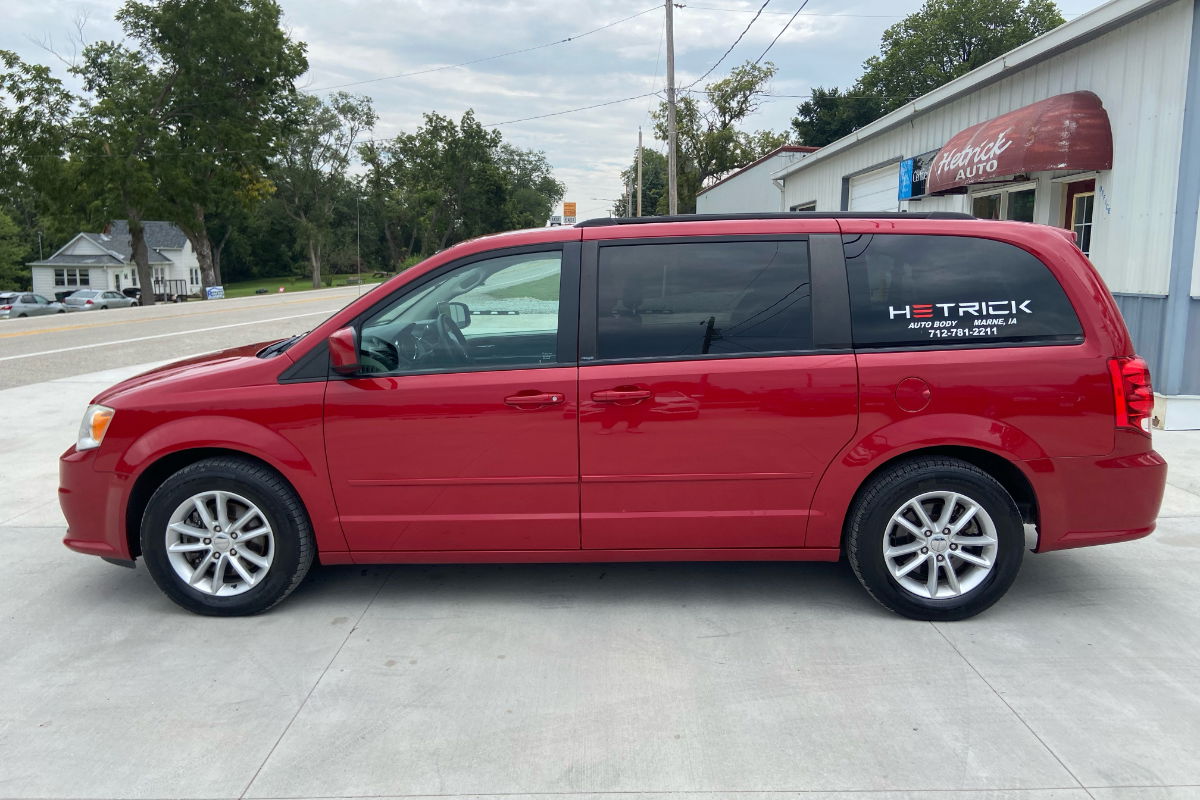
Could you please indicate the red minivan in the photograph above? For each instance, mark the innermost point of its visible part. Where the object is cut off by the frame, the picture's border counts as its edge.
(920, 393)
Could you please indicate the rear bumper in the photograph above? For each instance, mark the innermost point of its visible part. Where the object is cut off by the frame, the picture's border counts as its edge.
(1099, 500)
(94, 505)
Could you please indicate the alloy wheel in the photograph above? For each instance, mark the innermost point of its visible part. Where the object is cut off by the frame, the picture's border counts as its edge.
(220, 543)
(940, 545)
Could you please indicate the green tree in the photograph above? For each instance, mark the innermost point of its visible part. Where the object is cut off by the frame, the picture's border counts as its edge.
(654, 184)
(709, 141)
(829, 115)
(451, 181)
(114, 144)
(949, 38)
(227, 72)
(925, 50)
(34, 181)
(310, 172)
(13, 274)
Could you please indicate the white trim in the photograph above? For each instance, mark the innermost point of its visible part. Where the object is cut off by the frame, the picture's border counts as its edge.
(1066, 36)
(1077, 176)
(1008, 187)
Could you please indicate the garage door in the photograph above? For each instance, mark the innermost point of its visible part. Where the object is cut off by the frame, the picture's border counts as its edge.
(876, 191)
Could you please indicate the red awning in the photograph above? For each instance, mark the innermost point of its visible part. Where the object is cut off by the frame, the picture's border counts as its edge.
(1067, 131)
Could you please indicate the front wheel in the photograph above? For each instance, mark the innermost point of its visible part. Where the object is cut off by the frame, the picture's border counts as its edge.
(226, 537)
(935, 538)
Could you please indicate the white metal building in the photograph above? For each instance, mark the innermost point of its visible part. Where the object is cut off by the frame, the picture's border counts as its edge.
(750, 188)
(1094, 126)
(105, 261)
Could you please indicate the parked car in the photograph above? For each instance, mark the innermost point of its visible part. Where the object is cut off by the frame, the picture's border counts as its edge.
(26, 304)
(917, 393)
(97, 299)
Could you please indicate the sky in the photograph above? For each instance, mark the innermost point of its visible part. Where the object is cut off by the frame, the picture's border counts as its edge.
(360, 46)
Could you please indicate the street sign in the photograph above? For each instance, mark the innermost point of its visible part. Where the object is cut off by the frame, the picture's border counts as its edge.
(569, 220)
(569, 211)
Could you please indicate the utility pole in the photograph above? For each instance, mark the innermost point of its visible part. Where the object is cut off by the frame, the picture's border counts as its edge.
(639, 172)
(672, 183)
(358, 241)
(629, 199)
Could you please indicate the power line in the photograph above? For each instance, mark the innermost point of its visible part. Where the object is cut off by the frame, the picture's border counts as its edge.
(486, 58)
(781, 13)
(571, 110)
(781, 30)
(730, 50)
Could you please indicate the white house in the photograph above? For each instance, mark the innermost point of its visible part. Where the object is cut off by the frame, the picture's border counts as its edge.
(105, 261)
(750, 188)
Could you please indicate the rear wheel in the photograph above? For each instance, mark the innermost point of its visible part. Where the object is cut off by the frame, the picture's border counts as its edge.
(226, 537)
(935, 538)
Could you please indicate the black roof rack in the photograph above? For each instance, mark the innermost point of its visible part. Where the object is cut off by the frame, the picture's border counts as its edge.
(602, 221)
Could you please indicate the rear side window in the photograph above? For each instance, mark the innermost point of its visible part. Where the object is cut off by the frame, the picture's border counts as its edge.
(703, 299)
(933, 291)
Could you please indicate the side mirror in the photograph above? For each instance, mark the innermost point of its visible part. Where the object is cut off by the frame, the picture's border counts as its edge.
(459, 313)
(343, 351)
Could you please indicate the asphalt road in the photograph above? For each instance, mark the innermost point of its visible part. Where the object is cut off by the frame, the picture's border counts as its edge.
(44, 348)
(565, 682)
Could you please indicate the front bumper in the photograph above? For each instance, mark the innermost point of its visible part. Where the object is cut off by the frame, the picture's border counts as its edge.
(94, 504)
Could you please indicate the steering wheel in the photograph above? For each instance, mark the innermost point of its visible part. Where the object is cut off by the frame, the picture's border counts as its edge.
(379, 355)
(452, 341)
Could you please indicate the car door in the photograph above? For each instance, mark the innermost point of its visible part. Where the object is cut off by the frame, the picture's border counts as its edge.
(460, 431)
(708, 408)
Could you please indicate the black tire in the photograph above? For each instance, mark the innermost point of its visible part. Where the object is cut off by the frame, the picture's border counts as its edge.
(134, 304)
(293, 547)
(20, 316)
(870, 520)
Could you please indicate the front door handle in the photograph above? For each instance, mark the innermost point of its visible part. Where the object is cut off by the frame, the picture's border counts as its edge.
(532, 398)
(622, 394)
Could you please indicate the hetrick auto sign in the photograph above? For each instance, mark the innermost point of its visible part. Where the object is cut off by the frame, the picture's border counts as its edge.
(1067, 131)
(973, 163)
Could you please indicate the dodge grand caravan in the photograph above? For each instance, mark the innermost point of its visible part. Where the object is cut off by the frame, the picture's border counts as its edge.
(913, 392)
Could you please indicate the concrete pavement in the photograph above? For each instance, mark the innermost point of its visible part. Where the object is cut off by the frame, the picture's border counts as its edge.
(588, 682)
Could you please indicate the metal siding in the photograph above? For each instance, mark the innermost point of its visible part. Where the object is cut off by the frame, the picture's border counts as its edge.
(1135, 71)
(43, 281)
(1191, 353)
(750, 191)
(1144, 318)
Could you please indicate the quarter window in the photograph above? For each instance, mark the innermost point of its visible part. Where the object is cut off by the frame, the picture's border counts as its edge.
(933, 291)
(501, 313)
(703, 299)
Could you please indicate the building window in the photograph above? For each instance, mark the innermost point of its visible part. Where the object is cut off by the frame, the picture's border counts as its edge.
(160, 274)
(71, 277)
(1011, 204)
(811, 205)
(195, 276)
(1081, 202)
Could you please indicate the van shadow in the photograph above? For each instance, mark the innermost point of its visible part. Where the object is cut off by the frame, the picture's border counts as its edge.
(549, 586)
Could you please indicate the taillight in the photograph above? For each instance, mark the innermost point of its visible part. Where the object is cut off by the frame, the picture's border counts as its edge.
(5, 308)
(1131, 392)
(89, 302)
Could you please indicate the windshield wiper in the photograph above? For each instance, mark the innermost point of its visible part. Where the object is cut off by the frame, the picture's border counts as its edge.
(280, 346)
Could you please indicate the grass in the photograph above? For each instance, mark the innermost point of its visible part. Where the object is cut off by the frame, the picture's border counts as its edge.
(542, 289)
(289, 282)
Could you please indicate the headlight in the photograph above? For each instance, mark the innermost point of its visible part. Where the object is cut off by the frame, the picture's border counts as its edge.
(95, 424)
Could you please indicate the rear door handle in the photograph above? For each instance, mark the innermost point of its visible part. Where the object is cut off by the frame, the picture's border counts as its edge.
(531, 398)
(622, 393)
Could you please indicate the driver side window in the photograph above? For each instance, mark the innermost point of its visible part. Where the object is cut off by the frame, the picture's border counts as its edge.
(500, 313)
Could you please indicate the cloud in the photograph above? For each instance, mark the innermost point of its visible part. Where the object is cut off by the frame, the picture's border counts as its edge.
(359, 40)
